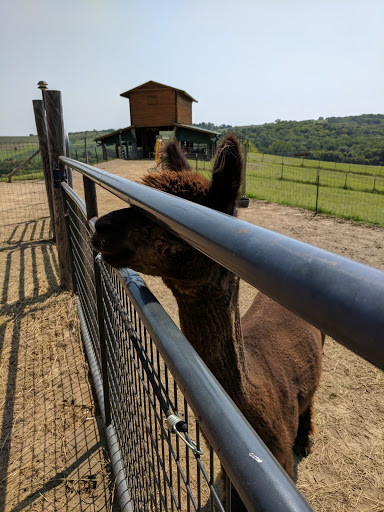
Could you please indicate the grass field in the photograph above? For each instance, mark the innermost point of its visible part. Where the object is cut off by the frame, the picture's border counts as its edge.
(356, 193)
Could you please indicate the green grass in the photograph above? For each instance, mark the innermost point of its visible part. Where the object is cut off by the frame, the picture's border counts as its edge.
(347, 204)
(347, 195)
(327, 178)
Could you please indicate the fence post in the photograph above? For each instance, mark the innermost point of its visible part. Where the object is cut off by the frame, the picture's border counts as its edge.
(317, 189)
(374, 185)
(41, 126)
(243, 201)
(56, 146)
(85, 147)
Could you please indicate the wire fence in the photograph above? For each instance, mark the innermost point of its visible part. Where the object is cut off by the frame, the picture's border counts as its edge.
(12, 155)
(24, 211)
(347, 191)
(142, 394)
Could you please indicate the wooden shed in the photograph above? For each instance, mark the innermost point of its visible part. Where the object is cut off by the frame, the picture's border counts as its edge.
(154, 104)
(158, 110)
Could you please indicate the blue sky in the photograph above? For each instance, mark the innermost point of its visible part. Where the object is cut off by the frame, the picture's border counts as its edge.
(246, 62)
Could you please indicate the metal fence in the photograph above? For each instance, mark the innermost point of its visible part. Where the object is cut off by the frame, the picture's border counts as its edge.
(347, 191)
(153, 413)
(156, 395)
(135, 344)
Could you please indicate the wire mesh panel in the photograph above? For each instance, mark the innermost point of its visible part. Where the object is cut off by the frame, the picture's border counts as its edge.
(23, 199)
(167, 460)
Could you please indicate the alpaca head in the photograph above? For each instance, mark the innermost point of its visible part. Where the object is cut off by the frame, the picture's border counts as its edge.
(128, 238)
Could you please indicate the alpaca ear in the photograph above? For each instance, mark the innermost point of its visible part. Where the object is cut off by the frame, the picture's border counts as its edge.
(172, 158)
(227, 175)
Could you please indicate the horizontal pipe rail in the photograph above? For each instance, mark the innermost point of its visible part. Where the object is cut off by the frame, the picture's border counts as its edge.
(343, 298)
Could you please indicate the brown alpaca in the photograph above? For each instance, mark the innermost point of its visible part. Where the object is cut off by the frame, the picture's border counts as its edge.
(270, 364)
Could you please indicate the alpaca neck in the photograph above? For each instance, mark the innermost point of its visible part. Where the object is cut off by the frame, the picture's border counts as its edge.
(210, 320)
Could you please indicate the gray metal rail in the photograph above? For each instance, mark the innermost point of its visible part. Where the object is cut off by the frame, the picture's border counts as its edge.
(343, 298)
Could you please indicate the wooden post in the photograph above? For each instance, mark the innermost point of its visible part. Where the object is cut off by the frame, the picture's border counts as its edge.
(317, 190)
(85, 147)
(243, 201)
(90, 197)
(41, 126)
(244, 173)
(56, 145)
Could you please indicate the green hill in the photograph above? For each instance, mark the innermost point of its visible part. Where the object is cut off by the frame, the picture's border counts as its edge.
(352, 139)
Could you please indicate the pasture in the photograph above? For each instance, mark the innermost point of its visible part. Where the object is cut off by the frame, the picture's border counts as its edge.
(345, 471)
(347, 191)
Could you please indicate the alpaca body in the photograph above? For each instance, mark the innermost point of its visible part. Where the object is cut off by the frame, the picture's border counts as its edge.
(270, 362)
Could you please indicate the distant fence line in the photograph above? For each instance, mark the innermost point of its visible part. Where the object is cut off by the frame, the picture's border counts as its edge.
(338, 189)
(343, 193)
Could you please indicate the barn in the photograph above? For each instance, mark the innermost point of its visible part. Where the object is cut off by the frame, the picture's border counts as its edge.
(158, 111)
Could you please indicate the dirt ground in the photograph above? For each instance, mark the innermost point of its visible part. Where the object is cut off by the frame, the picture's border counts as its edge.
(51, 401)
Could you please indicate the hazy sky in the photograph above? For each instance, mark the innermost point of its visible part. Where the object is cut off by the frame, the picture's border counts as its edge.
(246, 62)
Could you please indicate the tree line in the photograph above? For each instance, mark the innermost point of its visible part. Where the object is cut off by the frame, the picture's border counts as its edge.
(351, 139)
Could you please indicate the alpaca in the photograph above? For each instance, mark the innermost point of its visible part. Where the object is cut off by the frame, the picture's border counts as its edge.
(270, 362)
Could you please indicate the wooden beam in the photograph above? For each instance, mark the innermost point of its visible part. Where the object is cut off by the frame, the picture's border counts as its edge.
(41, 126)
(15, 171)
